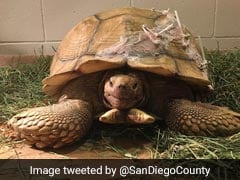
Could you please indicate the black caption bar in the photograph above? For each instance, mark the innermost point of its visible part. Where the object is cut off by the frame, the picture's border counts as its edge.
(119, 169)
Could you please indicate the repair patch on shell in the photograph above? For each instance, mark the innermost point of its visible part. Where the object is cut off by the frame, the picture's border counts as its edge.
(169, 38)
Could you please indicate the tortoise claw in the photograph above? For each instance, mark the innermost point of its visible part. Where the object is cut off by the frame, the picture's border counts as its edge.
(137, 116)
(113, 116)
(133, 116)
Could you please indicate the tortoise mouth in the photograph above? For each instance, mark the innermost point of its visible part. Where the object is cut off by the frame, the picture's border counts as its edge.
(113, 101)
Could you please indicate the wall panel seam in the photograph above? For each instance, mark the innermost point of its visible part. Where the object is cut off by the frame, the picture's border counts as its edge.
(215, 18)
(42, 17)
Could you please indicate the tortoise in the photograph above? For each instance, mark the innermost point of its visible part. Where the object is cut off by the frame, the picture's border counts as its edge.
(126, 66)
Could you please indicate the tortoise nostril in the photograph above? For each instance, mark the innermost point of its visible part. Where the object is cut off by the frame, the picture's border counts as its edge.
(121, 86)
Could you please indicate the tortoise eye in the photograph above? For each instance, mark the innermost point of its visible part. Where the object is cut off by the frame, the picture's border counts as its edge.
(135, 86)
(111, 83)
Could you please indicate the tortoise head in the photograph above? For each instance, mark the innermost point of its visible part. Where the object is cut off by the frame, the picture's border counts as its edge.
(124, 90)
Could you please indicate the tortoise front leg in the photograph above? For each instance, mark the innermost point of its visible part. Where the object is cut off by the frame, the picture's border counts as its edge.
(53, 126)
(201, 119)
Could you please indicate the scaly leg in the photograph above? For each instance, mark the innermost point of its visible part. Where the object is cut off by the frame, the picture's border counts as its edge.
(53, 126)
(201, 119)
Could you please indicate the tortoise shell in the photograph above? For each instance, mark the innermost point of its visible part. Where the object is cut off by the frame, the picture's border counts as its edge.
(147, 40)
